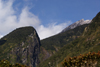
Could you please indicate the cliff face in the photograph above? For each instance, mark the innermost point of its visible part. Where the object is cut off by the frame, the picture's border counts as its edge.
(26, 51)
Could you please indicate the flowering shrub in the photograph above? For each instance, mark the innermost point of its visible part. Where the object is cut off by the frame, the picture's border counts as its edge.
(85, 60)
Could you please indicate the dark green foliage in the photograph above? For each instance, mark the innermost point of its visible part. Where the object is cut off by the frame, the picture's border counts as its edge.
(18, 35)
(5, 63)
(2, 42)
(97, 18)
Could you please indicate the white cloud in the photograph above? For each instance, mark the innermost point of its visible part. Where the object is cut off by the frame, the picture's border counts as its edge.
(9, 21)
(27, 18)
(51, 29)
(1, 36)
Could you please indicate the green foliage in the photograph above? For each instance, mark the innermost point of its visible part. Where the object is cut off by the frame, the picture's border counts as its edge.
(18, 35)
(5, 63)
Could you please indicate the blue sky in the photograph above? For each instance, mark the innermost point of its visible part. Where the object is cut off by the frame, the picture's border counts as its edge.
(48, 17)
(62, 10)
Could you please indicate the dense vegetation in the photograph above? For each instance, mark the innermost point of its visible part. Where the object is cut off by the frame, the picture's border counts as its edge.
(5, 63)
(18, 35)
(86, 60)
(89, 41)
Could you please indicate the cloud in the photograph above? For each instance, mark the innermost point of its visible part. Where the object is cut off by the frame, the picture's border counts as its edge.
(1, 36)
(9, 20)
(51, 29)
(27, 18)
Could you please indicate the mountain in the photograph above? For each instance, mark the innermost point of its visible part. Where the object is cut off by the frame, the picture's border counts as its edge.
(89, 41)
(21, 46)
(78, 23)
(51, 45)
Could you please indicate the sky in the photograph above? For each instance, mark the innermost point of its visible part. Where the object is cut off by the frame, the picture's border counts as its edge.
(48, 17)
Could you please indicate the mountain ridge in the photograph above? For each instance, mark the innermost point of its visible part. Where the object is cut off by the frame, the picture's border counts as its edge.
(77, 23)
(51, 45)
(89, 41)
(21, 46)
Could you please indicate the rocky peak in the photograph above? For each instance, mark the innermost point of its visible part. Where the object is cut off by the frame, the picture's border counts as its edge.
(23, 46)
(78, 23)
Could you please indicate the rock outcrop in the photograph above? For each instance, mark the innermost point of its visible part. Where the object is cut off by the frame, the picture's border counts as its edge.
(76, 24)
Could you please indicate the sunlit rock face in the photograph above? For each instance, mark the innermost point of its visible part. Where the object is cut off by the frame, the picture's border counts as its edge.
(78, 23)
